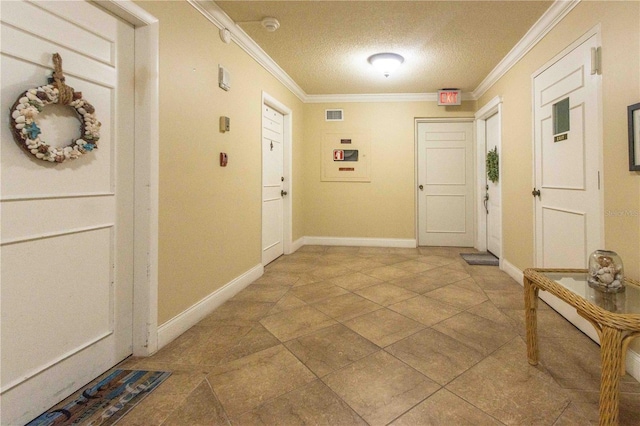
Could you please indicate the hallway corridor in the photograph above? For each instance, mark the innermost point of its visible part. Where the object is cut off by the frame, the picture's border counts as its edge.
(360, 335)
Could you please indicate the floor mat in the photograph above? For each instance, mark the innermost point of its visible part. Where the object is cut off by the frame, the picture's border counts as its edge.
(480, 259)
(105, 400)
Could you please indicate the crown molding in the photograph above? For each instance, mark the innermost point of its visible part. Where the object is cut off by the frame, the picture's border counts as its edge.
(213, 13)
(556, 12)
(379, 97)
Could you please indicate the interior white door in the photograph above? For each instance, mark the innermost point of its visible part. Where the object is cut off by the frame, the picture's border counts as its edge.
(445, 184)
(567, 160)
(493, 193)
(67, 229)
(272, 184)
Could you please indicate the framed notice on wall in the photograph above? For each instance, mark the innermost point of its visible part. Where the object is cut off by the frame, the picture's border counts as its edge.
(345, 157)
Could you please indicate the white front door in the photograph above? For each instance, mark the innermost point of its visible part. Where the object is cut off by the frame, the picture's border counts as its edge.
(445, 184)
(493, 194)
(272, 184)
(67, 229)
(568, 207)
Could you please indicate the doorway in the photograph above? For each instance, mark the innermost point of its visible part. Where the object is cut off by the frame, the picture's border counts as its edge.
(567, 155)
(489, 200)
(445, 189)
(67, 317)
(276, 179)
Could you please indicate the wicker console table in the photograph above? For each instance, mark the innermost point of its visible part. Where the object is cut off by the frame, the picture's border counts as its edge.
(616, 318)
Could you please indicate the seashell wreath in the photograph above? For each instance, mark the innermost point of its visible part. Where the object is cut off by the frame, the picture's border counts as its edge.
(29, 104)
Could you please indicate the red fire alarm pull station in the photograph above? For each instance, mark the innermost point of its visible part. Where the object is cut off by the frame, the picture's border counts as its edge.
(449, 97)
(223, 159)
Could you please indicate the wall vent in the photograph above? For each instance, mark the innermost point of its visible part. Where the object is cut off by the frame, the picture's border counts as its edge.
(333, 115)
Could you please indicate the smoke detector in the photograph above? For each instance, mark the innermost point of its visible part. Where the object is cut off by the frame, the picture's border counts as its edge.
(270, 24)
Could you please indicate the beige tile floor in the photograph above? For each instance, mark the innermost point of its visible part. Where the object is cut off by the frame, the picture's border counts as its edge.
(356, 336)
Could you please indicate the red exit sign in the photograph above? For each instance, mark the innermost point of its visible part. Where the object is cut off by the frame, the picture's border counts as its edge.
(449, 97)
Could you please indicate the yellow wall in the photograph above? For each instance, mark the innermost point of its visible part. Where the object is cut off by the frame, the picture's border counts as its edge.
(384, 207)
(620, 24)
(210, 217)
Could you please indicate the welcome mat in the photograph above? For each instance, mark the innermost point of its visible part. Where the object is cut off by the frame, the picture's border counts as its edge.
(480, 259)
(105, 400)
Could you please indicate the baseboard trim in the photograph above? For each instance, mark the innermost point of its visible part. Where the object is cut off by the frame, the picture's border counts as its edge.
(512, 271)
(295, 245)
(177, 325)
(567, 311)
(362, 242)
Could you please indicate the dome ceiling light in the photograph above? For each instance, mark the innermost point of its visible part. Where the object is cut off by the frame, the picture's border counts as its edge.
(386, 62)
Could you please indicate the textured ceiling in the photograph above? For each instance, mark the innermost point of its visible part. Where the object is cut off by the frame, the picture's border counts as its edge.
(324, 45)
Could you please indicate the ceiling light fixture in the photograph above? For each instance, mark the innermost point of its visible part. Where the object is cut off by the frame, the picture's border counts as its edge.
(386, 62)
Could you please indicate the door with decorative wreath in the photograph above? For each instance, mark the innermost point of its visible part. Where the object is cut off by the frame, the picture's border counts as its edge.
(66, 199)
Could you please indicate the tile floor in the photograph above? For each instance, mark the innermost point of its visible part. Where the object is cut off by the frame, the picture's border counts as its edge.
(357, 336)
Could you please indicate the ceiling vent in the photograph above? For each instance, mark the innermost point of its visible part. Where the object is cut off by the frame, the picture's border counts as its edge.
(333, 115)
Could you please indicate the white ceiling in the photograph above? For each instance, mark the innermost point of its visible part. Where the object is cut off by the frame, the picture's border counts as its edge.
(323, 46)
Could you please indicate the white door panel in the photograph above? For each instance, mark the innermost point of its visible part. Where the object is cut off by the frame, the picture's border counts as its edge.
(445, 174)
(272, 184)
(67, 229)
(567, 160)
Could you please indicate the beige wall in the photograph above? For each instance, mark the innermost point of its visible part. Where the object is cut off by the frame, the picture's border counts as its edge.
(620, 23)
(210, 217)
(384, 207)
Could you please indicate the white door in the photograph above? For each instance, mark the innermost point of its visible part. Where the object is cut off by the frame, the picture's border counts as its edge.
(66, 243)
(272, 184)
(567, 160)
(445, 184)
(493, 202)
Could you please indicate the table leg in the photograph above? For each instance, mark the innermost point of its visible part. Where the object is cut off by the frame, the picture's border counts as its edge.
(610, 354)
(530, 306)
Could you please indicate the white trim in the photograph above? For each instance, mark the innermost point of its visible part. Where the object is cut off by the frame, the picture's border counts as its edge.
(494, 106)
(556, 12)
(379, 97)
(295, 246)
(287, 216)
(512, 271)
(177, 325)
(147, 137)
(213, 13)
(362, 242)
(569, 312)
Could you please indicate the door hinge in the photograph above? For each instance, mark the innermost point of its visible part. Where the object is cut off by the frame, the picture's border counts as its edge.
(598, 179)
(596, 60)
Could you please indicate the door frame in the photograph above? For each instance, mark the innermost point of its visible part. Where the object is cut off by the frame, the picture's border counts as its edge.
(595, 31)
(287, 205)
(146, 163)
(494, 106)
(416, 175)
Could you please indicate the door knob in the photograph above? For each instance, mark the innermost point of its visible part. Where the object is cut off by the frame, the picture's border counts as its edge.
(421, 187)
(283, 193)
(535, 192)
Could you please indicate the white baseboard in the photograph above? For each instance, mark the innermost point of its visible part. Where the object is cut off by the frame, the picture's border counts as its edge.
(177, 325)
(512, 271)
(567, 311)
(361, 242)
(295, 245)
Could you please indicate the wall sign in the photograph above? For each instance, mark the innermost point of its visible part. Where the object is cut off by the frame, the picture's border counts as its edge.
(449, 97)
(347, 165)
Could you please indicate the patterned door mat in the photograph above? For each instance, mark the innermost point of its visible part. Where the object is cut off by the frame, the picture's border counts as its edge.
(485, 258)
(105, 400)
